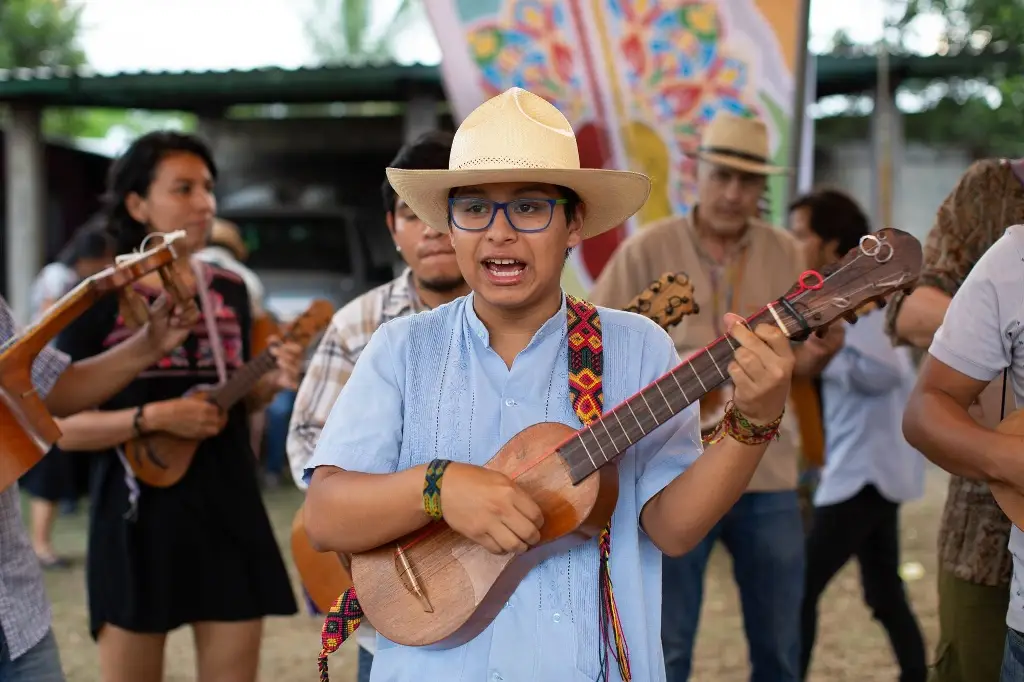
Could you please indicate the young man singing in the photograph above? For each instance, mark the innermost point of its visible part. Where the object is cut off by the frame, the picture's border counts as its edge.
(445, 389)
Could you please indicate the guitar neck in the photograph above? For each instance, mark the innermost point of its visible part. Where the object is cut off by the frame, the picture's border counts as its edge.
(606, 438)
(241, 382)
(61, 314)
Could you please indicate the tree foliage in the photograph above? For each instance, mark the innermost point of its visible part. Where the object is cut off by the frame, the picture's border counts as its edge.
(984, 112)
(342, 30)
(39, 33)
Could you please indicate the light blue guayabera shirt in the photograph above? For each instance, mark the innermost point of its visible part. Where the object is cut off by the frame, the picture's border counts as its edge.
(982, 335)
(430, 386)
(865, 388)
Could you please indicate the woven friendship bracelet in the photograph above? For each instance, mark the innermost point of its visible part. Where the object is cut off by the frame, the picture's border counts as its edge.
(741, 429)
(432, 488)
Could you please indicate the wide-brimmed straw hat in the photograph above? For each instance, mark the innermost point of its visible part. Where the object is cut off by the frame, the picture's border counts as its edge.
(737, 142)
(225, 233)
(518, 136)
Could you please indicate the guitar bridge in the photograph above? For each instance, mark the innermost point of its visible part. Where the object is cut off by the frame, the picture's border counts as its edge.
(408, 577)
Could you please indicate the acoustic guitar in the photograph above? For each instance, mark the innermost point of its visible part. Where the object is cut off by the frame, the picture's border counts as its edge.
(666, 301)
(436, 588)
(27, 427)
(162, 459)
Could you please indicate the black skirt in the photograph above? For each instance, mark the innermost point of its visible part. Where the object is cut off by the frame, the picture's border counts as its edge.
(58, 476)
(201, 550)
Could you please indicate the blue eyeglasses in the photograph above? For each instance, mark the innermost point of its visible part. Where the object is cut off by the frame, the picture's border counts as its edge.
(524, 215)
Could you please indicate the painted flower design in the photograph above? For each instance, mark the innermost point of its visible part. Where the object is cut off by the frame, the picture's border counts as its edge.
(529, 45)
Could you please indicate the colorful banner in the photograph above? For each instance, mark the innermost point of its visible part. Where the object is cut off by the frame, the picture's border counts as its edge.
(638, 81)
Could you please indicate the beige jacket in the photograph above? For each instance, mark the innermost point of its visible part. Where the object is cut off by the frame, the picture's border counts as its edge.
(772, 265)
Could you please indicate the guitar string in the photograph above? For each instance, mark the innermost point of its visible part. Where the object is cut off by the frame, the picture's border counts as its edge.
(439, 531)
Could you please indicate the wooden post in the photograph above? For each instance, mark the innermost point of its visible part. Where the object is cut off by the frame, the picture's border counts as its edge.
(25, 231)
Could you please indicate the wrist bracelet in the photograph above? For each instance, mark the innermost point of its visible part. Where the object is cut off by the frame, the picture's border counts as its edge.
(137, 421)
(432, 488)
(740, 429)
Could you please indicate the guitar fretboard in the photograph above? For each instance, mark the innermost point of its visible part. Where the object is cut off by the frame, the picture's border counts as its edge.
(242, 381)
(600, 443)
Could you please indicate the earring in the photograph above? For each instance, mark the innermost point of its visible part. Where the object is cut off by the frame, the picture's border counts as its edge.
(398, 248)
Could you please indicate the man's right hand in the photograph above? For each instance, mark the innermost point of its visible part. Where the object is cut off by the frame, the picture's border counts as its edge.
(490, 509)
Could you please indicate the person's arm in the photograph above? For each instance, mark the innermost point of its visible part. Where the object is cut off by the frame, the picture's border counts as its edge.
(920, 316)
(970, 349)
(868, 363)
(965, 227)
(91, 381)
(682, 513)
(328, 371)
(356, 501)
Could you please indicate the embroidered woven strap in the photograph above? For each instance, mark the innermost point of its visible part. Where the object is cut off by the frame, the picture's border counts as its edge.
(587, 397)
(586, 363)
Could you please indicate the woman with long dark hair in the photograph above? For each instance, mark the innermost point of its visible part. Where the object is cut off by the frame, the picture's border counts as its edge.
(201, 552)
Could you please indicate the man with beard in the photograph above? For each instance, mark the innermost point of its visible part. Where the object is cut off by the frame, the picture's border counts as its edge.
(431, 278)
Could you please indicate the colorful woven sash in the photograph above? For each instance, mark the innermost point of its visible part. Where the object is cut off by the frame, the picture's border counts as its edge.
(587, 396)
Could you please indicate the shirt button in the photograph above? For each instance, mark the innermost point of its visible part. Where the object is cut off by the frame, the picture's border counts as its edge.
(557, 617)
(496, 677)
(510, 403)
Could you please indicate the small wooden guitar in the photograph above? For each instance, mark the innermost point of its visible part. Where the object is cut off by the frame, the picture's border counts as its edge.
(436, 588)
(27, 428)
(161, 459)
(666, 301)
(1008, 499)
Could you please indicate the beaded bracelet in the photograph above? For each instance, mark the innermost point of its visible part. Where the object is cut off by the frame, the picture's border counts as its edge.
(741, 429)
(432, 488)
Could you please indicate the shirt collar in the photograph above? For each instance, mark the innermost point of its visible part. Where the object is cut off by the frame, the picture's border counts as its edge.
(555, 323)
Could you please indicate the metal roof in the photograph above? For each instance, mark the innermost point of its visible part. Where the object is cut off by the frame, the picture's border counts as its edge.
(201, 91)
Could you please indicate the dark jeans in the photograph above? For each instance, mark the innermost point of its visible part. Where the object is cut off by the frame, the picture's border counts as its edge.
(1013, 657)
(275, 434)
(867, 527)
(765, 536)
(41, 663)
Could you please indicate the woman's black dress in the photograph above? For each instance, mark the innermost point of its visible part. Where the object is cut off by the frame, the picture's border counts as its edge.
(202, 549)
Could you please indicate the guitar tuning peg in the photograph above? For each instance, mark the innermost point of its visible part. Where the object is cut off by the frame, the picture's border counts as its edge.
(851, 317)
(881, 303)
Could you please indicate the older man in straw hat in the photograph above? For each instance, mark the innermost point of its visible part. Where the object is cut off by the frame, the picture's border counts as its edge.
(736, 263)
(435, 395)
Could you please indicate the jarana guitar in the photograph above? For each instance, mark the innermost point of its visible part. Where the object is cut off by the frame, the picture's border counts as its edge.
(666, 301)
(162, 459)
(27, 427)
(456, 587)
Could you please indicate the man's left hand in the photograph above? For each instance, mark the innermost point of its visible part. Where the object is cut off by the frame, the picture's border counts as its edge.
(761, 370)
(169, 324)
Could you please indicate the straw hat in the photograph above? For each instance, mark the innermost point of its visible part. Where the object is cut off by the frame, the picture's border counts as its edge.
(225, 233)
(737, 142)
(520, 137)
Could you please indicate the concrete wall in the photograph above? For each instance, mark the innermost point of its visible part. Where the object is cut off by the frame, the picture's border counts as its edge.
(921, 182)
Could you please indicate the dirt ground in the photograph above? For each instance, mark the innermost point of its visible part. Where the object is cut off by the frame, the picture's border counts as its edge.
(850, 645)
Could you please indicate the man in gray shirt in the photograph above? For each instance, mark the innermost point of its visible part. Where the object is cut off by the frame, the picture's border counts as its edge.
(981, 337)
(28, 651)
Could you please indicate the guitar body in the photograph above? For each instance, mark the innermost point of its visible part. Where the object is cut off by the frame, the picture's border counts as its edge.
(1008, 499)
(161, 459)
(465, 586)
(323, 574)
(27, 428)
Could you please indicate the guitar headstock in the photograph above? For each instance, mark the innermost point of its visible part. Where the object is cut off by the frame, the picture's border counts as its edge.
(667, 300)
(884, 262)
(132, 266)
(310, 323)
